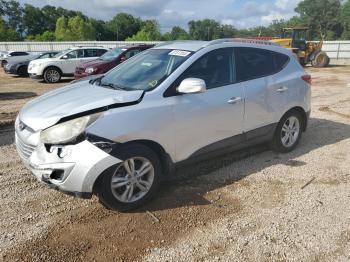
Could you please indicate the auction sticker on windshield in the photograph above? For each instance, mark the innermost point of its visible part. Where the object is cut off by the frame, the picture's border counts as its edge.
(179, 53)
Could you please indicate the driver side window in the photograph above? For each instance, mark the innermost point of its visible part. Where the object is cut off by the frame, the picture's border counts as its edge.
(216, 68)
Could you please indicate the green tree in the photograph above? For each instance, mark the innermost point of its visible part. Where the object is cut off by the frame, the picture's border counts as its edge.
(123, 26)
(227, 31)
(14, 13)
(74, 29)
(176, 33)
(206, 29)
(345, 20)
(7, 33)
(149, 32)
(322, 16)
(33, 19)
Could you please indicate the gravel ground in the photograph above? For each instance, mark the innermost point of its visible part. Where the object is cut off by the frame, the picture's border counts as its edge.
(252, 205)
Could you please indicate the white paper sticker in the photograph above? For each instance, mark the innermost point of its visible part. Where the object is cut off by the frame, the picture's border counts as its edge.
(179, 53)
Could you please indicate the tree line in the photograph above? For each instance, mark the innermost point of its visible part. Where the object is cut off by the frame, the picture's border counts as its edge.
(327, 19)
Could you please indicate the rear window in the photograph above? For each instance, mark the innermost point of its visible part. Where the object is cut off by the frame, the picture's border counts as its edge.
(254, 63)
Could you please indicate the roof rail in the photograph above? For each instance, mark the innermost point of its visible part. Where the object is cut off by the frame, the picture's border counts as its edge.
(87, 45)
(241, 40)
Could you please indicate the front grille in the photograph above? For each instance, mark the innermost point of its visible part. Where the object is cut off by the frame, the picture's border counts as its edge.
(23, 149)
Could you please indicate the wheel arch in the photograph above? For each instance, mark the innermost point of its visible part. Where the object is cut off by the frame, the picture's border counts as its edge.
(164, 157)
(303, 114)
(21, 66)
(52, 66)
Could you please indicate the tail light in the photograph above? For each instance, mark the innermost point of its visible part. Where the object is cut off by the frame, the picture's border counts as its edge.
(307, 79)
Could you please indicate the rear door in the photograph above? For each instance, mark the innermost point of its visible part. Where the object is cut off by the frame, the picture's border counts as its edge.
(265, 92)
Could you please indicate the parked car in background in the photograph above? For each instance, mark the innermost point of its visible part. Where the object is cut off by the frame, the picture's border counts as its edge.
(63, 63)
(120, 134)
(19, 65)
(108, 60)
(9, 54)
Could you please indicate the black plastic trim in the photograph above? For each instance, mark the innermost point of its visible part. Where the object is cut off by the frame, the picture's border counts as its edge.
(84, 195)
(257, 136)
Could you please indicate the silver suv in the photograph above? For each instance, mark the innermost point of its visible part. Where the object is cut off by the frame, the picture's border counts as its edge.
(118, 135)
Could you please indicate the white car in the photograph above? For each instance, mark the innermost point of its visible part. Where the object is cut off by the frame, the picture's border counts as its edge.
(63, 64)
(118, 135)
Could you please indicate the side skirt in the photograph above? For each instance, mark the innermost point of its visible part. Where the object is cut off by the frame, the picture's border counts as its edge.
(257, 136)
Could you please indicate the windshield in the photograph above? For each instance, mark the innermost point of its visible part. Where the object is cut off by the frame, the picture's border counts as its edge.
(145, 71)
(61, 53)
(112, 54)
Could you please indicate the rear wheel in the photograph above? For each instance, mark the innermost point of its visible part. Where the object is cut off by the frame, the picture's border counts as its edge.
(3, 63)
(52, 75)
(132, 182)
(321, 59)
(288, 132)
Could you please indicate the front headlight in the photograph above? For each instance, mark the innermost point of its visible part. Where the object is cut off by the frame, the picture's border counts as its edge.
(66, 132)
(90, 70)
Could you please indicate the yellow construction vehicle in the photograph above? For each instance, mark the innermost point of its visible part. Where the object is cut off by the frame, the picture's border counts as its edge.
(305, 51)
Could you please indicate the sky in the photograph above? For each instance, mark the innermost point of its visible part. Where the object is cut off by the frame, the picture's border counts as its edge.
(240, 13)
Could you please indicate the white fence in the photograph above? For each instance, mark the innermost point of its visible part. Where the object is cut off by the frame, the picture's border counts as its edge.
(336, 50)
(59, 46)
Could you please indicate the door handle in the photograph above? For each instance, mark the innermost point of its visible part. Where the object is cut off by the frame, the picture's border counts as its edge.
(234, 100)
(282, 89)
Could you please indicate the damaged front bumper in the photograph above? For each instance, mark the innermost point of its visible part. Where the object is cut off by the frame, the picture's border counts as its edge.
(71, 169)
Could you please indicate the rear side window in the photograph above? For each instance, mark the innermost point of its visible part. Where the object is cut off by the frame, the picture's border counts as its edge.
(215, 68)
(94, 52)
(132, 53)
(19, 53)
(254, 63)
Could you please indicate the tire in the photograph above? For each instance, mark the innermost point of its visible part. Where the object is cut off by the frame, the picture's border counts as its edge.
(118, 198)
(3, 63)
(320, 60)
(283, 143)
(52, 75)
(22, 71)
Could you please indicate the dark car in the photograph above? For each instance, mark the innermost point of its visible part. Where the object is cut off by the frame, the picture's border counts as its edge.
(109, 60)
(6, 56)
(19, 65)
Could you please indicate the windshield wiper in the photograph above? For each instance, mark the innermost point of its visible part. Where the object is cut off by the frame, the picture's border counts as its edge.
(110, 85)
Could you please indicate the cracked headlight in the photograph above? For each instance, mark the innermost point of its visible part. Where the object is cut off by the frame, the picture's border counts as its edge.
(68, 131)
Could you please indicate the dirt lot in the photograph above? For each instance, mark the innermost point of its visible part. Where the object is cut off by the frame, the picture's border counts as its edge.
(253, 205)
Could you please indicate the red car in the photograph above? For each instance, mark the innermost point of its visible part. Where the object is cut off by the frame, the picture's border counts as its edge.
(108, 60)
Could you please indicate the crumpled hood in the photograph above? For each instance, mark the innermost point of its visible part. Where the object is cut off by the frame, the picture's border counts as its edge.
(48, 109)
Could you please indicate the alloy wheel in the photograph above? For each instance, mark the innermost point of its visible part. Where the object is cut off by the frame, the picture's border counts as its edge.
(290, 131)
(52, 75)
(132, 179)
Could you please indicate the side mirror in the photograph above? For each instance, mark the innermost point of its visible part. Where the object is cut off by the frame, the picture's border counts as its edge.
(64, 57)
(192, 86)
(122, 59)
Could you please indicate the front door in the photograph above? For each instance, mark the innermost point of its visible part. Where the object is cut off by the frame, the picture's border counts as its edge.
(211, 120)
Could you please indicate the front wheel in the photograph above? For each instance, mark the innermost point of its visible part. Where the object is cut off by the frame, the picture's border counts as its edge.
(320, 60)
(132, 182)
(52, 75)
(288, 132)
